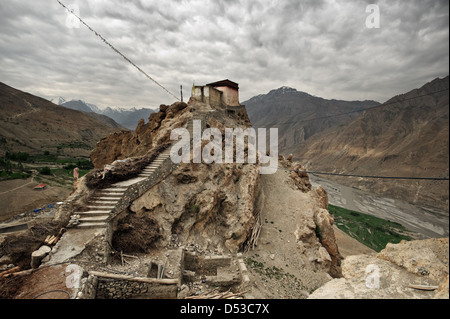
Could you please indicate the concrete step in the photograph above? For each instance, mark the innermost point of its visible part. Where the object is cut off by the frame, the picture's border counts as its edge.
(93, 213)
(129, 181)
(109, 195)
(103, 198)
(94, 219)
(103, 202)
(114, 189)
(102, 208)
(107, 202)
(92, 225)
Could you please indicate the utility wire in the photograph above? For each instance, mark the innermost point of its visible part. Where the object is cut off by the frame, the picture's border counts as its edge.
(117, 51)
(369, 176)
(361, 110)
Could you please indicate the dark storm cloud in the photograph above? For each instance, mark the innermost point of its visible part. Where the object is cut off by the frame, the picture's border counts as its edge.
(320, 47)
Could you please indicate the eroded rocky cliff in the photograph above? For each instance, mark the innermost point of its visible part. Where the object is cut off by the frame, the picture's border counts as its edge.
(409, 270)
(217, 207)
(155, 132)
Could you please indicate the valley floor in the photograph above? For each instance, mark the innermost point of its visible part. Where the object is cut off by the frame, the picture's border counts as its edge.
(19, 196)
(427, 222)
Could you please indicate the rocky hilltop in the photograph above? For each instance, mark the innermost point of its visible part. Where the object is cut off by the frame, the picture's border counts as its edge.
(189, 215)
(408, 270)
(152, 228)
(214, 206)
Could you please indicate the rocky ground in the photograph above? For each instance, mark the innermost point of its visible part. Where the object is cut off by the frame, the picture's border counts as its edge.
(409, 270)
(279, 265)
(282, 265)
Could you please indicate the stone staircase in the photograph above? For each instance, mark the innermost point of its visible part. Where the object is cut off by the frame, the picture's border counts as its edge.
(102, 203)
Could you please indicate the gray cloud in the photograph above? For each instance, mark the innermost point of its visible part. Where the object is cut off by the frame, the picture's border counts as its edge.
(320, 47)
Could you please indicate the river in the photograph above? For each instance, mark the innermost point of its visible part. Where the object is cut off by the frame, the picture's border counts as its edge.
(429, 222)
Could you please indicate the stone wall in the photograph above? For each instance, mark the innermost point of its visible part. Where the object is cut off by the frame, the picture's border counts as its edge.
(213, 270)
(215, 98)
(138, 189)
(106, 286)
(126, 289)
(208, 95)
(230, 96)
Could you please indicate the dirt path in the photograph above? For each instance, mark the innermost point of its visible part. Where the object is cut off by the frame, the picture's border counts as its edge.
(45, 283)
(14, 189)
(294, 276)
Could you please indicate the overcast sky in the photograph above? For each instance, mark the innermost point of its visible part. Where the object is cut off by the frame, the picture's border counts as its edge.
(320, 47)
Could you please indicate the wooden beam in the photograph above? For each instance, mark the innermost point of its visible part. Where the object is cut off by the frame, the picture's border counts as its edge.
(423, 287)
(131, 278)
(9, 271)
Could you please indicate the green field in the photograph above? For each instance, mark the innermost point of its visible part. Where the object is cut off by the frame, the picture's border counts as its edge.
(49, 167)
(372, 231)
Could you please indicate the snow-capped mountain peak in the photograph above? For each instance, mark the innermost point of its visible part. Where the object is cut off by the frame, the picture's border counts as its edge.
(58, 100)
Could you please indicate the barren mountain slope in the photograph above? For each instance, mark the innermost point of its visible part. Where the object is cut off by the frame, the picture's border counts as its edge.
(406, 136)
(292, 112)
(31, 124)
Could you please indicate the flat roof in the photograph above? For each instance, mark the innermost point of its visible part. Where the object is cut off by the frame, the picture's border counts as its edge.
(226, 82)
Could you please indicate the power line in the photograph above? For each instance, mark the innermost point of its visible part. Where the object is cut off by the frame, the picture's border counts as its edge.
(361, 110)
(117, 51)
(369, 176)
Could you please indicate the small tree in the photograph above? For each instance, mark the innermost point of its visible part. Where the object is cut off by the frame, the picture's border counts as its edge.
(45, 171)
